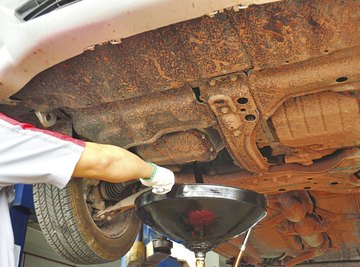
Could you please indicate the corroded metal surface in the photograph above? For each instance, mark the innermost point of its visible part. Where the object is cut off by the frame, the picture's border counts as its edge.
(143, 119)
(329, 228)
(335, 174)
(284, 54)
(336, 223)
(309, 226)
(331, 119)
(271, 87)
(199, 146)
(293, 31)
(153, 61)
(292, 65)
(232, 103)
(263, 37)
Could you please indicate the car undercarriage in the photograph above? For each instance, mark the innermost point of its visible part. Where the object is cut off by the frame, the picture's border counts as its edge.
(264, 98)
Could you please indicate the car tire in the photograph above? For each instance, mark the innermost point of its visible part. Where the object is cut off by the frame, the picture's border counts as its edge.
(68, 227)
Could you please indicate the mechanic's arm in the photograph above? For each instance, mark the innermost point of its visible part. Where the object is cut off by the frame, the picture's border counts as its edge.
(115, 164)
(111, 163)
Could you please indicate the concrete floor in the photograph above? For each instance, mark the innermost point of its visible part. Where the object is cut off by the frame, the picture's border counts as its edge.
(39, 254)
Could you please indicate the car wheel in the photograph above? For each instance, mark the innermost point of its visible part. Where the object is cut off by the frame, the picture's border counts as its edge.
(65, 220)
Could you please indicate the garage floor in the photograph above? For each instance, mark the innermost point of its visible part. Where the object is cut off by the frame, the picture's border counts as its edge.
(39, 254)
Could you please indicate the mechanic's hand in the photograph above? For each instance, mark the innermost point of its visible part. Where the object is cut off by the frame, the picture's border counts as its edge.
(162, 180)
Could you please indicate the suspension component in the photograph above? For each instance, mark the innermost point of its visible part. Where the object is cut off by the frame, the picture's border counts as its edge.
(115, 192)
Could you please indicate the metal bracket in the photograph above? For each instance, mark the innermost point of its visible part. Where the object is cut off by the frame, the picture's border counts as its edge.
(238, 116)
(122, 205)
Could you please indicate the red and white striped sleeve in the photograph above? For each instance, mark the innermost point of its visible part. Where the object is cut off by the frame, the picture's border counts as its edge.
(31, 155)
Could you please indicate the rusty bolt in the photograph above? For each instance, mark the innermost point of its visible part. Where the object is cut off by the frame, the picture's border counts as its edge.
(224, 110)
(233, 78)
(212, 82)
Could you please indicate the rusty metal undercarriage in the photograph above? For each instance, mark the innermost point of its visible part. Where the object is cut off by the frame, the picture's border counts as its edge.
(266, 98)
